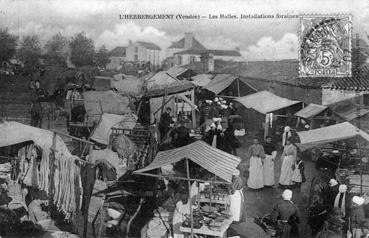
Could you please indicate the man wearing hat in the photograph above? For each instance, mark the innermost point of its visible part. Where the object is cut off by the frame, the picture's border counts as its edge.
(286, 215)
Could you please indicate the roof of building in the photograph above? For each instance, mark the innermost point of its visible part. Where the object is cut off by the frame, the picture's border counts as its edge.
(349, 109)
(193, 51)
(148, 45)
(119, 51)
(328, 134)
(310, 110)
(216, 161)
(265, 102)
(359, 81)
(221, 82)
(287, 72)
(181, 44)
(202, 79)
(175, 71)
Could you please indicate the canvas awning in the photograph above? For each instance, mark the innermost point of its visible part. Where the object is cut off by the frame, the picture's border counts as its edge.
(97, 102)
(265, 102)
(14, 133)
(220, 82)
(352, 113)
(202, 79)
(310, 110)
(214, 160)
(127, 85)
(341, 131)
(162, 83)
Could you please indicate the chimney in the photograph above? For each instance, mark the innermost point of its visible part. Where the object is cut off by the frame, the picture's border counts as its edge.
(188, 40)
(129, 42)
(208, 62)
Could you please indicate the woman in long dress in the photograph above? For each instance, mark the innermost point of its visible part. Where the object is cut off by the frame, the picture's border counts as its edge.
(289, 156)
(256, 155)
(270, 154)
(236, 198)
(182, 209)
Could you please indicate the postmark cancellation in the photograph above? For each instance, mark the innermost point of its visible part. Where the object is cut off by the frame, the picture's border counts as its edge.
(325, 46)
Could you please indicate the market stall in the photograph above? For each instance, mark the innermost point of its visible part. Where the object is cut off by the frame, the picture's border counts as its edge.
(267, 111)
(43, 162)
(211, 216)
(349, 143)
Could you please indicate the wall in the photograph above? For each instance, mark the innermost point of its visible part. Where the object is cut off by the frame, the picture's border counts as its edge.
(330, 96)
(115, 62)
(186, 59)
(171, 51)
(228, 58)
(130, 52)
(153, 57)
(293, 92)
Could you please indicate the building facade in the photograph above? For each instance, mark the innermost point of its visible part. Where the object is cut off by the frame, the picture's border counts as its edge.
(140, 51)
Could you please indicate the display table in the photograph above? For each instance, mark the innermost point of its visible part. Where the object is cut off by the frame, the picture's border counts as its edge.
(204, 230)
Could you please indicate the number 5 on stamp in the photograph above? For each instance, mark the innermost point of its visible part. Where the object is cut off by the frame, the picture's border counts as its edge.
(325, 46)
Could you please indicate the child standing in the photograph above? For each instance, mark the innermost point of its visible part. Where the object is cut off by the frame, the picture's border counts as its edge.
(298, 176)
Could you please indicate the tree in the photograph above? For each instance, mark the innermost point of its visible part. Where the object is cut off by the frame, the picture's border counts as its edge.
(102, 57)
(30, 51)
(56, 49)
(82, 50)
(8, 45)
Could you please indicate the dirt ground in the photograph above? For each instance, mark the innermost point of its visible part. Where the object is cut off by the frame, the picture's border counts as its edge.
(260, 202)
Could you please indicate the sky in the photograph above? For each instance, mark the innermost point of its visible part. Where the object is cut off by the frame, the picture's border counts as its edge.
(258, 39)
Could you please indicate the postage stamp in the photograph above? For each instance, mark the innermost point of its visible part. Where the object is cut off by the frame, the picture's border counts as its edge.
(325, 46)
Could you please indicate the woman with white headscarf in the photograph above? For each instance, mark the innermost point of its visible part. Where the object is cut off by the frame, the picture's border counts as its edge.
(286, 134)
(289, 157)
(341, 199)
(357, 216)
(236, 198)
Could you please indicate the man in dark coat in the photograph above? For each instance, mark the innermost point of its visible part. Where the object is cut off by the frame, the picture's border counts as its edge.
(38, 95)
(286, 215)
(181, 135)
(165, 122)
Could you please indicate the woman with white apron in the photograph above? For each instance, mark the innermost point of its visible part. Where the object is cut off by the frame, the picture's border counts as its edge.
(182, 209)
(236, 198)
(289, 156)
(270, 154)
(256, 155)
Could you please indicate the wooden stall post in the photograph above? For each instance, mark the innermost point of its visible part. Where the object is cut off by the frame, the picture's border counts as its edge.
(189, 189)
(238, 87)
(193, 111)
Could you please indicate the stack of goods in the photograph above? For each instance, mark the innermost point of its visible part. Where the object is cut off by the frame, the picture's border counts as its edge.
(214, 218)
(67, 185)
(217, 194)
(357, 181)
(57, 174)
(5, 170)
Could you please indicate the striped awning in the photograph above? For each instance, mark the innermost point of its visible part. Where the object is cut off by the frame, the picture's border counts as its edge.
(216, 161)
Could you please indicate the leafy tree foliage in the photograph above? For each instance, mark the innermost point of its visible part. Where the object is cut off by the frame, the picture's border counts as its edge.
(30, 51)
(82, 50)
(56, 49)
(8, 45)
(102, 57)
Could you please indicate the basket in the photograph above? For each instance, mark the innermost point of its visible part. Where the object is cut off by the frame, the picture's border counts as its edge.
(266, 223)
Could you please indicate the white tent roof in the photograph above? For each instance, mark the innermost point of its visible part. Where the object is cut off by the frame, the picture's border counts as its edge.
(265, 102)
(14, 133)
(341, 131)
(212, 159)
